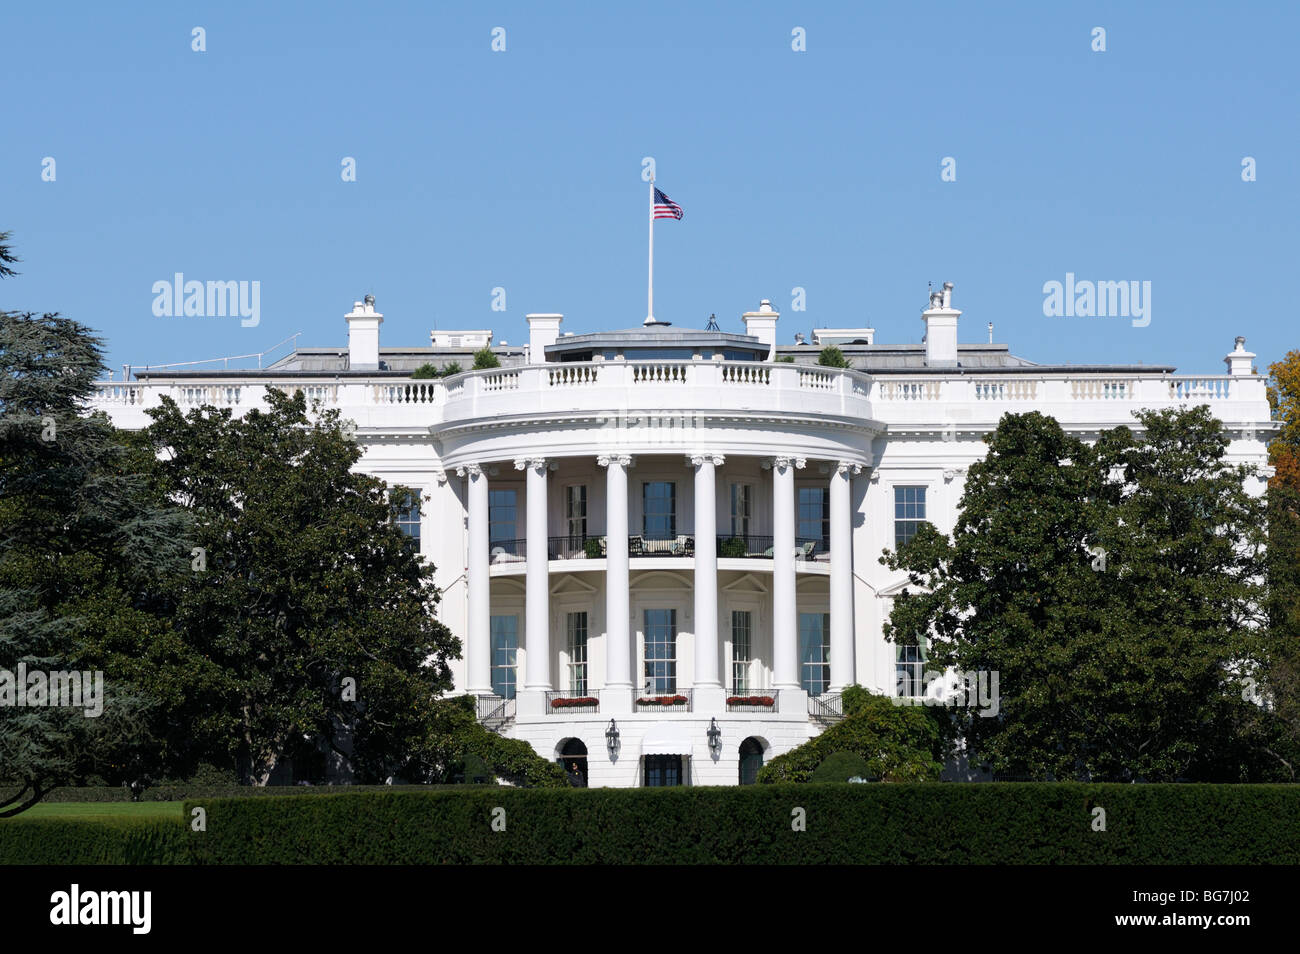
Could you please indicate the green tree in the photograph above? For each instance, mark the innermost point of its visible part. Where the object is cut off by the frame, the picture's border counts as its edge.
(833, 357)
(425, 371)
(85, 550)
(312, 617)
(898, 743)
(485, 358)
(1115, 589)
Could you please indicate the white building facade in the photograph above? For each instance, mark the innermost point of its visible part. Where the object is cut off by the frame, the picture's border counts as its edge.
(660, 546)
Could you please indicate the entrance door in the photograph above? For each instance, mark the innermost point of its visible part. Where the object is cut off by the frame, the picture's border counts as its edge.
(573, 759)
(663, 770)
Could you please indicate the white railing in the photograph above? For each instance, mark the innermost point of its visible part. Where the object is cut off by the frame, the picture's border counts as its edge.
(566, 375)
(926, 389)
(1011, 389)
(1211, 389)
(1102, 389)
(659, 373)
(746, 374)
(817, 380)
(403, 393)
(501, 381)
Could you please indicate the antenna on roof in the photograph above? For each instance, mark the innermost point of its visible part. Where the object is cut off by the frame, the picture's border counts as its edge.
(713, 324)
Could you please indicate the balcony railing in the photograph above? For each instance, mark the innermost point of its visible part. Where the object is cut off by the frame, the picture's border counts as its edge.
(562, 701)
(758, 700)
(763, 548)
(495, 712)
(678, 700)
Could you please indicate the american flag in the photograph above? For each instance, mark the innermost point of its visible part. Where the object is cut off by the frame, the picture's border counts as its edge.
(666, 208)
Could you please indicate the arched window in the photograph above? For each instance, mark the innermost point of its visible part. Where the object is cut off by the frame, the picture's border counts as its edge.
(751, 760)
(573, 759)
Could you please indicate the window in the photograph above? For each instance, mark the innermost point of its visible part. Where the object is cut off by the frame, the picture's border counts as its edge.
(661, 650)
(815, 516)
(741, 623)
(814, 652)
(659, 510)
(751, 760)
(406, 514)
(742, 506)
(663, 770)
(908, 671)
(503, 514)
(575, 513)
(505, 647)
(909, 513)
(576, 623)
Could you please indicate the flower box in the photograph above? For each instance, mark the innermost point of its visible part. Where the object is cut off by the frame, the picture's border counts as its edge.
(575, 701)
(662, 701)
(766, 702)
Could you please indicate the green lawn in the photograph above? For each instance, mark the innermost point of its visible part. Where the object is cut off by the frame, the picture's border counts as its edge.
(96, 811)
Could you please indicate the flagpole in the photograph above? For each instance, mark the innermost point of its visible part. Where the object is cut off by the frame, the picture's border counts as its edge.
(650, 288)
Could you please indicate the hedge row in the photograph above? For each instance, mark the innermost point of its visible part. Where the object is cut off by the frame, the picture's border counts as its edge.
(845, 824)
(180, 792)
(1033, 823)
(124, 841)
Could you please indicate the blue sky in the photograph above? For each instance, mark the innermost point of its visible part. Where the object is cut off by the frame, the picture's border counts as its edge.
(522, 169)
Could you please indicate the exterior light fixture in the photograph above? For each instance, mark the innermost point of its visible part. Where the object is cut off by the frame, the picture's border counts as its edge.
(715, 737)
(611, 737)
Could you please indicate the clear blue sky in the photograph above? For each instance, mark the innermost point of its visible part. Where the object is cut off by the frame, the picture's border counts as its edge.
(522, 169)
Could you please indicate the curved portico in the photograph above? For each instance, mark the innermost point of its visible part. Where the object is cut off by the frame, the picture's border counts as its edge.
(698, 469)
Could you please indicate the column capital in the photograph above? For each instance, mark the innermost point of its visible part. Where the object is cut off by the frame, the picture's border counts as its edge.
(440, 476)
(696, 460)
(472, 470)
(523, 463)
(844, 466)
(622, 460)
(798, 463)
(952, 474)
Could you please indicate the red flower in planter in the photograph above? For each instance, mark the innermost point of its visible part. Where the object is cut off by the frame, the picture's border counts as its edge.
(766, 701)
(663, 701)
(575, 701)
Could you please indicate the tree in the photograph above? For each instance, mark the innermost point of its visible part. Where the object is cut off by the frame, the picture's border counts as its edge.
(898, 743)
(86, 548)
(1115, 589)
(833, 357)
(425, 371)
(485, 358)
(7, 258)
(313, 620)
(1284, 396)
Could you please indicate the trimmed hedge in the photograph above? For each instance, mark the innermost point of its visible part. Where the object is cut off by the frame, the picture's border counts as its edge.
(180, 792)
(118, 841)
(1035, 823)
(1031, 823)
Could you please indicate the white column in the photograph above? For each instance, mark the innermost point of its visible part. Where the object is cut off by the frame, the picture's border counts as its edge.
(477, 648)
(785, 629)
(537, 595)
(706, 577)
(842, 648)
(617, 696)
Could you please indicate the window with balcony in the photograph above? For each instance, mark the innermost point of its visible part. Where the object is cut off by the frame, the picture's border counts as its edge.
(909, 513)
(659, 509)
(575, 513)
(504, 632)
(576, 625)
(406, 514)
(742, 506)
(815, 517)
(660, 630)
(503, 517)
(741, 655)
(814, 652)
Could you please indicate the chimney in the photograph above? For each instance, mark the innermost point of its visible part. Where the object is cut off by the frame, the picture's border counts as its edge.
(363, 335)
(762, 325)
(543, 330)
(941, 329)
(1239, 360)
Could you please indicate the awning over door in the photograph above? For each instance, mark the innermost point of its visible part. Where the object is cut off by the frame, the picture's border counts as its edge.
(666, 738)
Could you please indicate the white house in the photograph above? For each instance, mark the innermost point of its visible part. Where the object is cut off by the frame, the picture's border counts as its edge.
(660, 545)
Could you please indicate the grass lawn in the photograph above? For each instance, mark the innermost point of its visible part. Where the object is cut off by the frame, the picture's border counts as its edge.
(96, 811)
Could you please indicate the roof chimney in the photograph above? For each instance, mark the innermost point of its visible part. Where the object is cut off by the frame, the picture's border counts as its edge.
(762, 325)
(363, 335)
(543, 330)
(1239, 360)
(941, 329)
